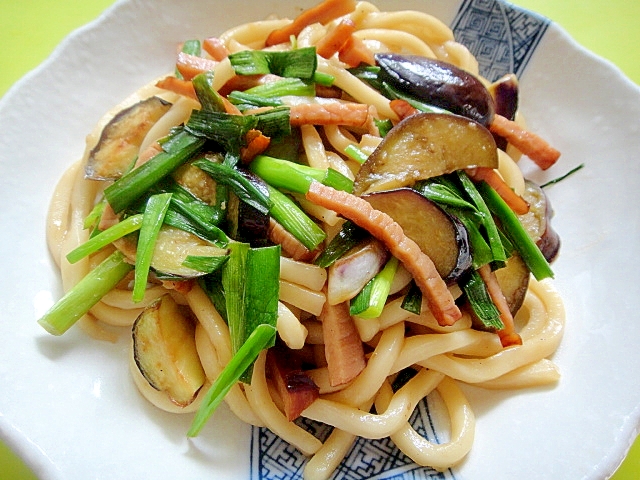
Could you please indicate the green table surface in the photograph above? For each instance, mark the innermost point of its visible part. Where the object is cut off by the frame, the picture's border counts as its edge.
(31, 29)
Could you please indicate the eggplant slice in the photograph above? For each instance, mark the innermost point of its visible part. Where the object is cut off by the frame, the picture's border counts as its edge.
(537, 221)
(426, 145)
(438, 83)
(173, 246)
(121, 138)
(441, 236)
(165, 351)
(513, 279)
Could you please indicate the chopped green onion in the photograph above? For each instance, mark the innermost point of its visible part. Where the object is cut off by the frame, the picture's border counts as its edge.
(442, 194)
(262, 287)
(491, 230)
(516, 233)
(199, 215)
(179, 147)
(242, 186)
(368, 74)
(480, 301)
(412, 301)
(104, 238)
(285, 147)
(262, 336)
(192, 47)
(212, 286)
(347, 238)
(247, 101)
(324, 79)
(192, 207)
(482, 253)
(288, 214)
(210, 100)
(231, 159)
(300, 63)
(210, 233)
(251, 282)
(85, 294)
(393, 93)
(233, 280)
(449, 195)
(295, 177)
(508, 246)
(250, 62)
(274, 123)
(335, 179)
(383, 126)
(285, 87)
(283, 173)
(227, 130)
(205, 264)
(562, 177)
(92, 220)
(372, 298)
(356, 153)
(152, 220)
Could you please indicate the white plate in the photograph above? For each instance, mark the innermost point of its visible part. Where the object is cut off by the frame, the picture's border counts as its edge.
(68, 406)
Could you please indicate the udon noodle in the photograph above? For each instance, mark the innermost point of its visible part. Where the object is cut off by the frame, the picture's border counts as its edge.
(442, 356)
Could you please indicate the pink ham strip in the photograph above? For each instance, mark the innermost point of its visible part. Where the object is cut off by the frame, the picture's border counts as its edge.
(329, 113)
(290, 244)
(342, 344)
(385, 229)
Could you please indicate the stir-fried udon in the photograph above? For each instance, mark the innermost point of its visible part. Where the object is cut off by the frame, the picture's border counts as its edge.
(321, 217)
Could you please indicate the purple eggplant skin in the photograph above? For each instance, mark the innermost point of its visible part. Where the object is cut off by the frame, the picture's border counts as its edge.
(505, 93)
(245, 222)
(464, 251)
(438, 83)
(549, 242)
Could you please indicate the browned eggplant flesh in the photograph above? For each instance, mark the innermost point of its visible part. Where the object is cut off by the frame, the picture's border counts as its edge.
(537, 221)
(172, 248)
(422, 146)
(120, 140)
(165, 352)
(513, 279)
(441, 236)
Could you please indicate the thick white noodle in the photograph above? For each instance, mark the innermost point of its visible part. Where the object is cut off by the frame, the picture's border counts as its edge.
(437, 455)
(369, 425)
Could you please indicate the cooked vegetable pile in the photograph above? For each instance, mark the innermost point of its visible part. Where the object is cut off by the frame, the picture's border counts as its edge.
(222, 197)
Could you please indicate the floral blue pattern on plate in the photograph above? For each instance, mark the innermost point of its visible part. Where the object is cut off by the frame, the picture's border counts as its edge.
(503, 37)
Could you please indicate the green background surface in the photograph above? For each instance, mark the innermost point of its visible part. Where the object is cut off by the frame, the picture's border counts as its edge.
(31, 29)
